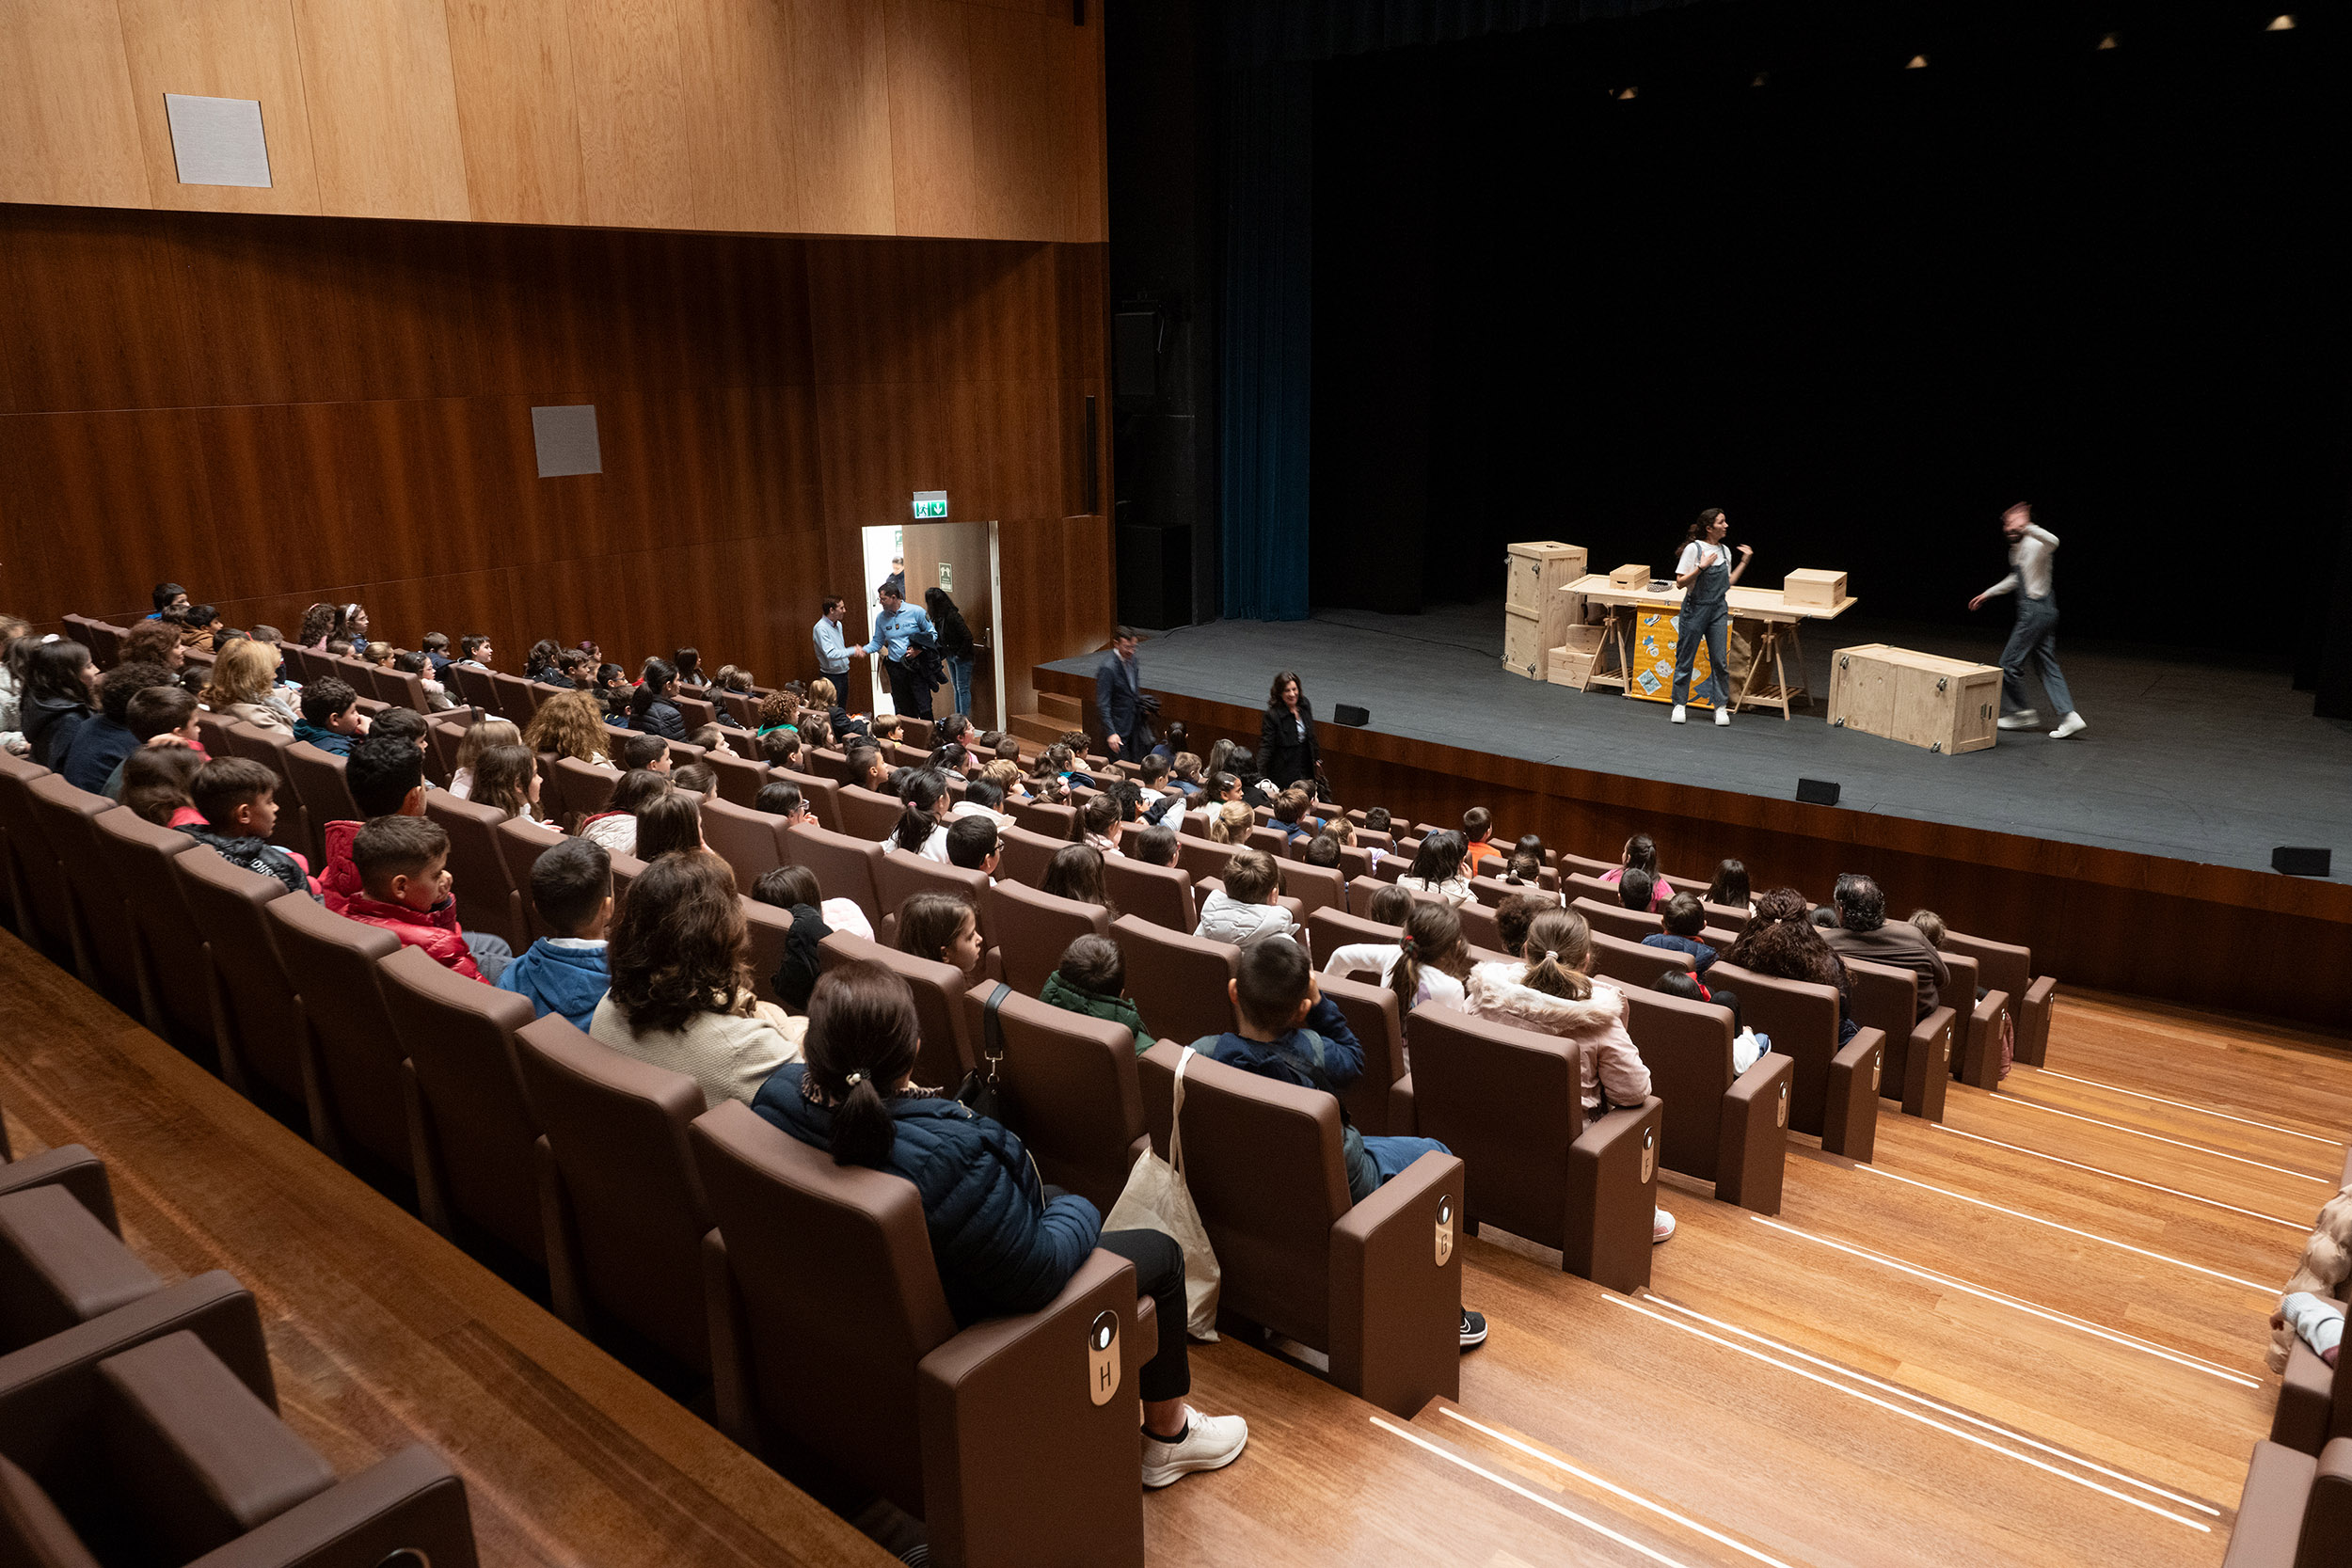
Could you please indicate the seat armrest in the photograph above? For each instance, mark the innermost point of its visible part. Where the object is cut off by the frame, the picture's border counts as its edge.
(558, 1224)
(730, 1374)
(1611, 1190)
(1979, 1048)
(1753, 1142)
(1927, 1065)
(2328, 1513)
(2270, 1510)
(2033, 1020)
(73, 1167)
(1850, 1121)
(1011, 1405)
(411, 1503)
(2307, 1395)
(1401, 1122)
(1395, 1303)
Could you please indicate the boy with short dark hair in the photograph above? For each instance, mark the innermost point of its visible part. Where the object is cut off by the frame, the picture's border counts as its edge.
(1635, 889)
(238, 799)
(1092, 980)
(1287, 1030)
(1324, 851)
(1246, 910)
(1679, 925)
(403, 864)
(641, 749)
(331, 719)
(400, 723)
(386, 777)
(1290, 814)
(1478, 828)
(157, 716)
(571, 887)
(1376, 820)
(971, 844)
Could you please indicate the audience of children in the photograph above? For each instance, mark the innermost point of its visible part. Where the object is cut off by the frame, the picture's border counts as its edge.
(406, 889)
(1246, 909)
(237, 800)
(1092, 979)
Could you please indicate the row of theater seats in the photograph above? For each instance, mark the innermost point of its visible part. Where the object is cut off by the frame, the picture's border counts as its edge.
(2296, 1508)
(138, 1420)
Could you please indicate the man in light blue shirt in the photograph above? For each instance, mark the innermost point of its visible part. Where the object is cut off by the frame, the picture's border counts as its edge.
(898, 621)
(833, 656)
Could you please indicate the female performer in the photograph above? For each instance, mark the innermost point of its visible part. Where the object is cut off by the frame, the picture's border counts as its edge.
(1287, 752)
(1705, 574)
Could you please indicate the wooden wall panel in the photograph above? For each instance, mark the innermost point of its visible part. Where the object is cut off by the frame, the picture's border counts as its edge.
(510, 68)
(931, 118)
(628, 70)
(67, 117)
(743, 126)
(221, 49)
(840, 95)
(383, 101)
(1017, 102)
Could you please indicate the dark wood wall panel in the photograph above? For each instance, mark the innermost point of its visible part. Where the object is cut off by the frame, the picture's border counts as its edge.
(277, 410)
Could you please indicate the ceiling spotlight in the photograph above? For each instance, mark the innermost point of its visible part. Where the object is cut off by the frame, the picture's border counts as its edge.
(1759, 79)
(1627, 92)
(2282, 23)
(2107, 42)
(1918, 62)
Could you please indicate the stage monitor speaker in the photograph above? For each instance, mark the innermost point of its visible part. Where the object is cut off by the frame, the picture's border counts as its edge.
(2299, 861)
(1347, 713)
(1817, 792)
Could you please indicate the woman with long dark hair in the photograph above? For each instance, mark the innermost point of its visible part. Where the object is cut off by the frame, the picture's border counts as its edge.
(955, 643)
(59, 683)
(1705, 574)
(1287, 752)
(650, 707)
(1001, 1245)
(1781, 942)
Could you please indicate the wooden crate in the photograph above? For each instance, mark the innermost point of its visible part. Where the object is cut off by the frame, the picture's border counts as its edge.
(1816, 590)
(1632, 579)
(1581, 638)
(1539, 567)
(1940, 705)
(1571, 666)
(1523, 649)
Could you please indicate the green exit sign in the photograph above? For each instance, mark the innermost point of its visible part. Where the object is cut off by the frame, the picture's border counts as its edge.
(930, 503)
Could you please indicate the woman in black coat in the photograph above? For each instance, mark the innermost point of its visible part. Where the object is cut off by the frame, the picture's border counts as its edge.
(650, 707)
(1286, 737)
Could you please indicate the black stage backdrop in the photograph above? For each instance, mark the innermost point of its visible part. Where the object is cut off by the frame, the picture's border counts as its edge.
(1861, 306)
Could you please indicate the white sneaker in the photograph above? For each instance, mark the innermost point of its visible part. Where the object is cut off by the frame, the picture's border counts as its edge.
(2024, 719)
(1723, 716)
(1661, 1225)
(1678, 718)
(1209, 1443)
(2073, 723)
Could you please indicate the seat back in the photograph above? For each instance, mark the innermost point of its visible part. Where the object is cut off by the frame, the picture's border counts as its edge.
(1508, 1101)
(1201, 858)
(829, 763)
(1026, 855)
(1587, 884)
(521, 845)
(898, 876)
(212, 732)
(403, 689)
(1480, 927)
(475, 687)
(750, 841)
(837, 1256)
(142, 858)
(1046, 818)
(615, 1130)
(1363, 891)
(61, 1266)
(1159, 894)
(625, 870)
(1177, 980)
(1315, 887)
(739, 781)
(1724, 917)
(231, 906)
(1263, 1164)
(1632, 965)
(867, 813)
(1884, 997)
(822, 795)
(1687, 1048)
(512, 695)
(582, 788)
(1032, 928)
(1377, 1021)
(1328, 930)
(1802, 1020)
(295, 830)
(474, 1128)
(88, 901)
(487, 899)
(694, 711)
(845, 866)
(1616, 920)
(917, 732)
(950, 1049)
(1494, 890)
(318, 777)
(1272, 840)
(1070, 1083)
(338, 997)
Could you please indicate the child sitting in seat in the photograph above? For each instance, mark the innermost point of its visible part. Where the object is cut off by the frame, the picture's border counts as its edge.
(331, 719)
(571, 887)
(156, 781)
(1478, 831)
(1287, 1030)
(1245, 912)
(404, 889)
(1092, 980)
(238, 797)
(1679, 926)
(943, 927)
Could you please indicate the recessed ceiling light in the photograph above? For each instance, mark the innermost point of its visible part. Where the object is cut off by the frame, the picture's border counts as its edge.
(1918, 62)
(1627, 93)
(1759, 79)
(2107, 42)
(2282, 23)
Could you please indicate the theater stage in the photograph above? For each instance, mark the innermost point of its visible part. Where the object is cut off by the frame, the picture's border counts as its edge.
(2191, 759)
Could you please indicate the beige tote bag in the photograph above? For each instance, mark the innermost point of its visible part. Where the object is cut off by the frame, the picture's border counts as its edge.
(1156, 1198)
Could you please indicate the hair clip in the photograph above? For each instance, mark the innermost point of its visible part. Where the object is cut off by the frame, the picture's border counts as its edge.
(854, 1079)
(1550, 957)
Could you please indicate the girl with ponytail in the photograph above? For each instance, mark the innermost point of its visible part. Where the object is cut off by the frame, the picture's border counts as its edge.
(922, 827)
(1551, 992)
(1001, 1245)
(1432, 960)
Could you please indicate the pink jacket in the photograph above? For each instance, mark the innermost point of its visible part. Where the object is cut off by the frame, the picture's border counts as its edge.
(435, 931)
(1607, 1060)
(1659, 891)
(339, 880)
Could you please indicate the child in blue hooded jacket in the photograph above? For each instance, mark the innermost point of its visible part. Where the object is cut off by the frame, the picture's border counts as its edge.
(571, 886)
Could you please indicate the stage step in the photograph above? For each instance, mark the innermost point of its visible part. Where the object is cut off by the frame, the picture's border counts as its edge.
(1041, 729)
(1053, 705)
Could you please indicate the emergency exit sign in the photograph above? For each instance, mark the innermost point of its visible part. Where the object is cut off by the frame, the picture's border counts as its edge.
(930, 503)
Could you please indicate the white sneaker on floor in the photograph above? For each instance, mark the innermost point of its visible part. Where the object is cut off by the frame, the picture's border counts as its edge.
(1678, 718)
(2073, 723)
(1209, 1443)
(2024, 719)
(1723, 716)
(1662, 1224)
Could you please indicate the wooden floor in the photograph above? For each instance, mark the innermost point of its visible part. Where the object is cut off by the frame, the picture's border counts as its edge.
(2031, 1335)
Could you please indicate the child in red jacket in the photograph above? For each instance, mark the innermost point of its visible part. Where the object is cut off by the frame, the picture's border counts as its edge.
(402, 865)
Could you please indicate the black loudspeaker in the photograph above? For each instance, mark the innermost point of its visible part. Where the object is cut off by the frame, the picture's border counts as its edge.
(1347, 713)
(1817, 792)
(2299, 863)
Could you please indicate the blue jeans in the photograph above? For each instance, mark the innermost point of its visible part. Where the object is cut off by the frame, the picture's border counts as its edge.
(1388, 1156)
(959, 678)
(2033, 644)
(1716, 689)
(490, 954)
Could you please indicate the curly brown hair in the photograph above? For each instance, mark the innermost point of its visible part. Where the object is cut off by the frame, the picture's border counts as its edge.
(1780, 941)
(570, 724)
(681, 945)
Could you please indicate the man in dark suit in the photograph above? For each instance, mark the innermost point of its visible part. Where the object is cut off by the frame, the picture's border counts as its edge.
(1118, 700)
(1863, 931)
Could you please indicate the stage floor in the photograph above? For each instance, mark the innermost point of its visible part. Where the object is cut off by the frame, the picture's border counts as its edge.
(2198, 760)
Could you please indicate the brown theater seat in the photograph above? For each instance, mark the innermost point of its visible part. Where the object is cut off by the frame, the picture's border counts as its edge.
(1201, 857)
(469, 1127)
(917, 733)
(70, 1166)
(1381, 1102)
(620, 1201)
(131, 859)
(1616, 920)
(36, 884)
(582, 788)
(1918, 1050)
(2005, 967)
(1159, 894)
(2314, 1404)
(822, 796)
(1360, 893)
(868, 814)
(751, 842)
(487, 898)
(1032, 928)
(949, 1048)
(1328, 930)
(2295, 1510)
(982, 1433)
(1976, 1031)
(257, 1022)
(1507, 1101)
(521, 845)
(771, 930)
(346, 1030)
(899, 876)
(1176, 980)
(88, 913)
(1835, 1093)
(1046, 819)
(60, 1265)
(845, 866)
(1026, 855)
(827, 763)
(1315, 887)
(1480, 927)
(739, 781)
(1634, 966)
(1071, 1091)
(1377, 1286)
(318, 777)
(1719, 1126)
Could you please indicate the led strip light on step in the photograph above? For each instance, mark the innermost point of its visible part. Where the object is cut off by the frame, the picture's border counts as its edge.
(2118, 1176)
(2138, 1094)
(2158, 1137)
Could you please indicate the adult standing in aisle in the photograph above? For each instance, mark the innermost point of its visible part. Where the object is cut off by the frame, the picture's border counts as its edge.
(2034, 638)
(833, 654)
(1705, 574)
(955, 644)
(895, 630)
(1119, 699)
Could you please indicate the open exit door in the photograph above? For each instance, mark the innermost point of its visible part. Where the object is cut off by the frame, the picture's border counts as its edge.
(958, 559)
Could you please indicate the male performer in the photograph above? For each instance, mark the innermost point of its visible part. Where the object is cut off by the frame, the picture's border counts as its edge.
(833, 657)
(1705, 574)
(1119, 699)
(2035, 636)
(899, 623)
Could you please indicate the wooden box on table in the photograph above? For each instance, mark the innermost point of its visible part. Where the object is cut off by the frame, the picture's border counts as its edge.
(1815, 589)
(1942, 705)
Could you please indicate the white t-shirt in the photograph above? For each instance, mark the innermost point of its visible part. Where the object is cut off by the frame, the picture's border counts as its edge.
(935, 847)
(1699, 552)
(1435, 984)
